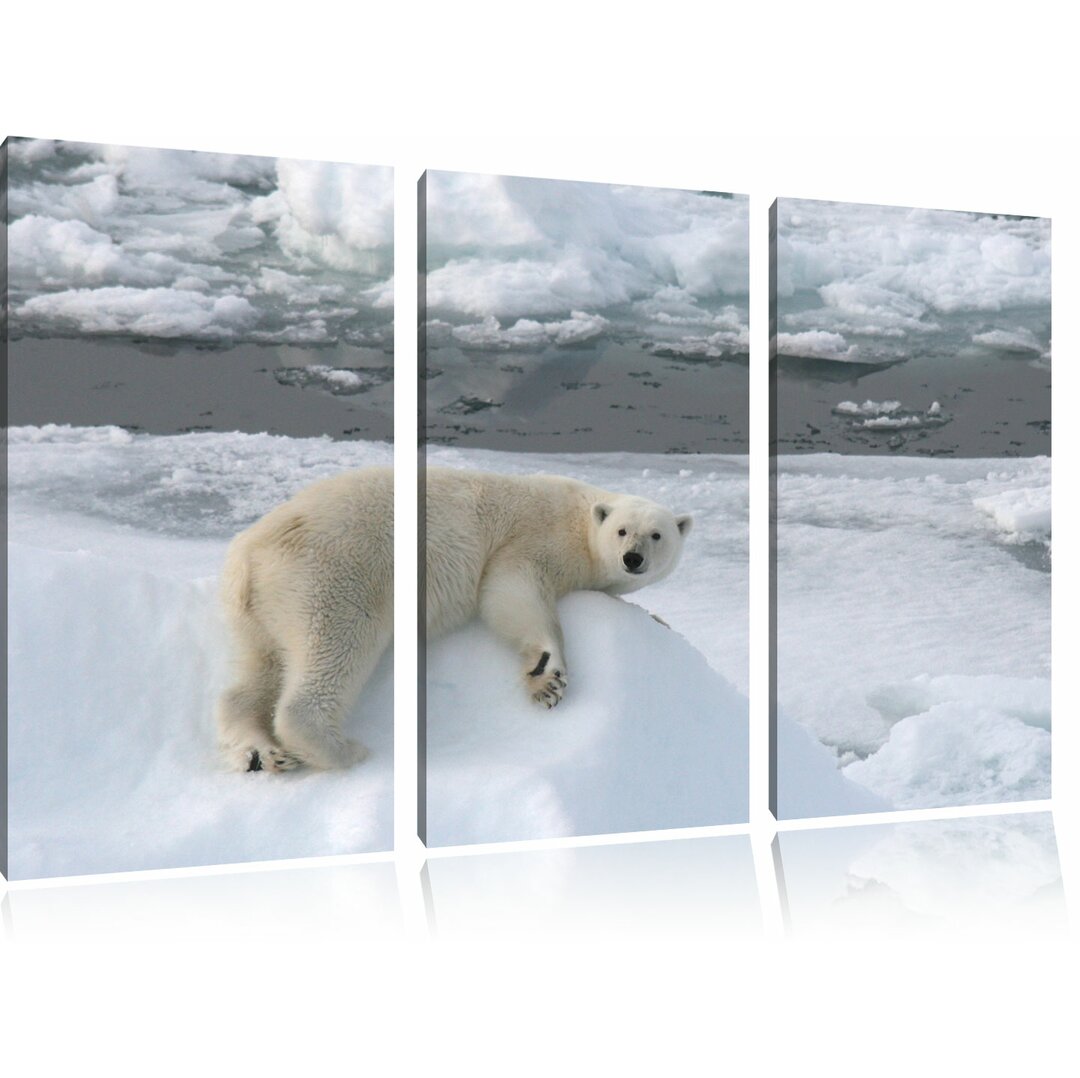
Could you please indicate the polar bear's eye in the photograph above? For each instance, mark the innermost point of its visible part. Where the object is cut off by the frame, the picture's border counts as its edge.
(656, 536)
(622, 531)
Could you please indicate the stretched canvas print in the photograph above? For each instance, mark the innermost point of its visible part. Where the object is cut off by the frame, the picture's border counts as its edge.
(585, 420)
(190, 340)
(911, 507)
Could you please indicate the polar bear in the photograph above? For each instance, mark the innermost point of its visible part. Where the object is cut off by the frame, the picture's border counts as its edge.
(507, 547)
(308, 592)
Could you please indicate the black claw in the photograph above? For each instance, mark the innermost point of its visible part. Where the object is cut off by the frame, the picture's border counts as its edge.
(541, 666)
(254, 763)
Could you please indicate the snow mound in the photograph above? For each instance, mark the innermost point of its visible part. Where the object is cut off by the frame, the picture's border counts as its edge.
(1026, 699)
(1022, 515)
(648, 735)
(114, 667)
(959, 752)
(117, 653)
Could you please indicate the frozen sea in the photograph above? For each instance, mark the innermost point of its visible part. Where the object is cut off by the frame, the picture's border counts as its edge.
(178, 245)
(921, 308)
(913, 623)
(584, 317)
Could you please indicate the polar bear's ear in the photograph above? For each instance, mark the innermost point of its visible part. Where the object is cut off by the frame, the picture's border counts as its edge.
(685, 523)
(600, 512)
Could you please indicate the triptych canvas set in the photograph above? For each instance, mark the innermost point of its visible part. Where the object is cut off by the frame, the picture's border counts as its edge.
(199, 370)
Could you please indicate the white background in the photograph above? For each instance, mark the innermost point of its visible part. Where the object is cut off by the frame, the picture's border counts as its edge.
(917, 104)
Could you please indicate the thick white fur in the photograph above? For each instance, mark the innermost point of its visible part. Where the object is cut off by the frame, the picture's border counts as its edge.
(309, 595)
(309, 592)
(507, 548)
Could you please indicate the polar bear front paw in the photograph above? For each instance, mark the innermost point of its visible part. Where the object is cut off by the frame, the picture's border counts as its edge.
(546, 682)
(552, 690)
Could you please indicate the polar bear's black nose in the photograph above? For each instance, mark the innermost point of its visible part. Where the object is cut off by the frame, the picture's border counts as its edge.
(632, 560)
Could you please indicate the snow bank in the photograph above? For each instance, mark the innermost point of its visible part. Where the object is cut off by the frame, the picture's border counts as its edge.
(1021, 515)
(117, 654)
(958, 753)
(170, 243)
(647, 736)
(645, 263)
(911, 641)
(961, 740)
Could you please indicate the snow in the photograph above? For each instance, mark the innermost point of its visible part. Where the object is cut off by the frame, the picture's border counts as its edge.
(170, 243)
(616, 754)
(1022, 515)
(867, 408)
(117, 653)
(890, 415)
(647, 736)
(958, 753)
(1017, 340)
(652, 732)
(913, 635)
(146, 312)
(889, 282)
(817, 344)
(808, 781)
(507, 254)
(116, 540)
(526, 333)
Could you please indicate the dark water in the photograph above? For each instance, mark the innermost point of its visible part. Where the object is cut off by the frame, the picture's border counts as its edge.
(992, 405)
(160, 388)
(602, 398)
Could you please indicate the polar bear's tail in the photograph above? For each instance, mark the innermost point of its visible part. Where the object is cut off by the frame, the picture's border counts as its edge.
(236, 579)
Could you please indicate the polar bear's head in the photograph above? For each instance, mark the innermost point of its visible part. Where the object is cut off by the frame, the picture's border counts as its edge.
(636, 541)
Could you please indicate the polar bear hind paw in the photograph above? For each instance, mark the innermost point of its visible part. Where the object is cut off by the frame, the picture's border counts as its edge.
(269, 758)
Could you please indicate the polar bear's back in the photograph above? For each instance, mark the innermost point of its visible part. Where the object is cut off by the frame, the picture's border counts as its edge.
(334, 537)
(473, 515)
